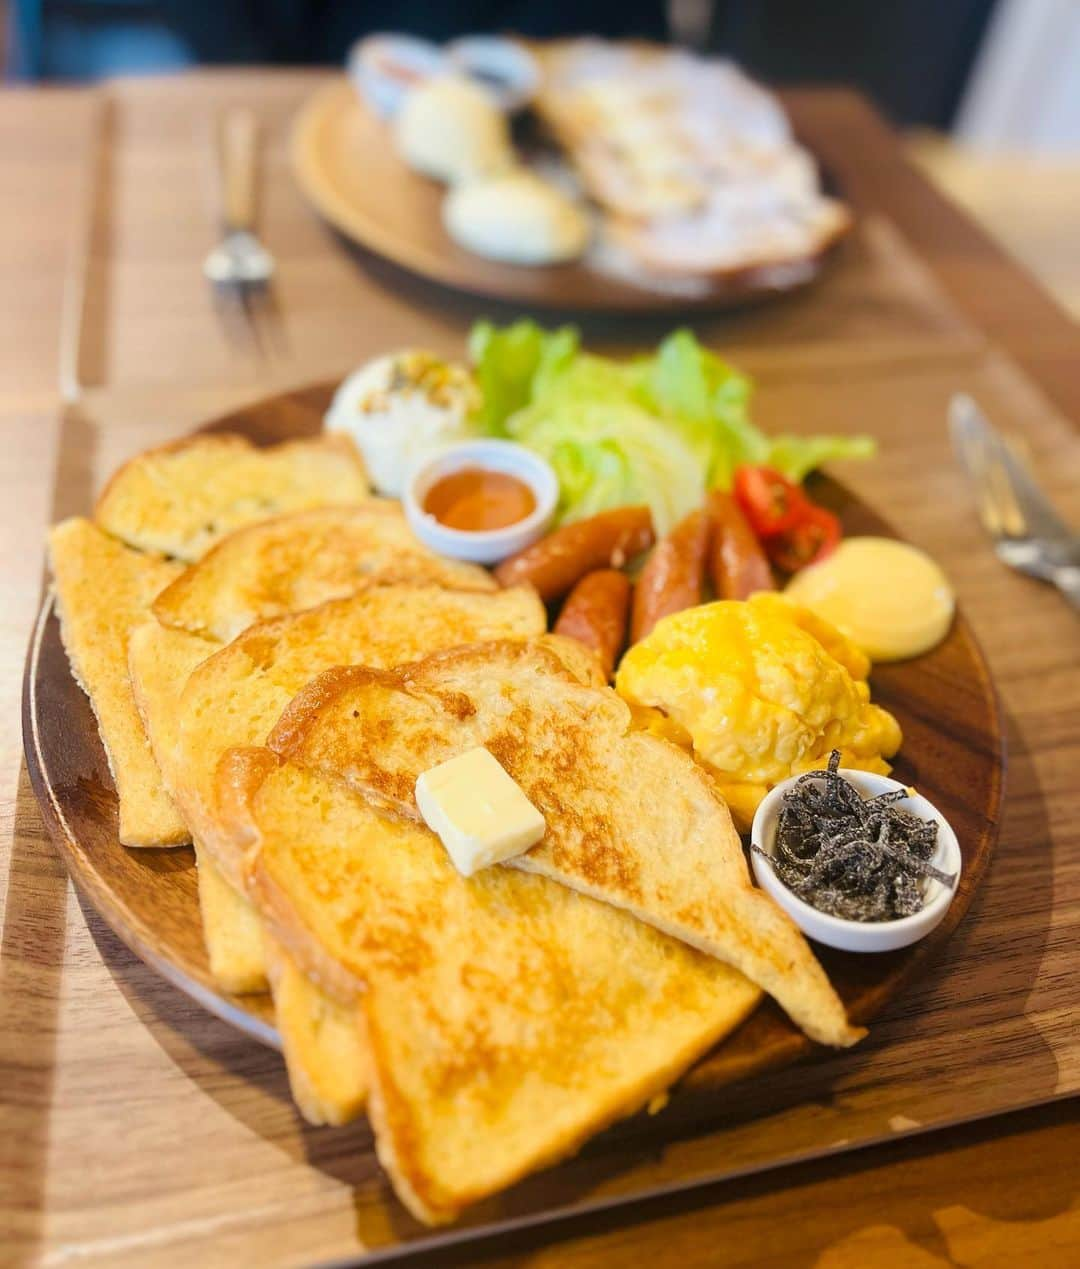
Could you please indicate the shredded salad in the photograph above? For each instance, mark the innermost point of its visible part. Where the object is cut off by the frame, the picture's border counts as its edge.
(658, 430)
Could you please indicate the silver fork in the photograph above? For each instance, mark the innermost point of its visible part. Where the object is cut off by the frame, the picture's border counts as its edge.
(1027, 532)
(240, 267)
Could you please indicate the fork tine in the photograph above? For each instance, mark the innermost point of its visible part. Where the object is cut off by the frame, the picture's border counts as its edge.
(249, 304)
(239, 306)
(229, 308)
(266, 318)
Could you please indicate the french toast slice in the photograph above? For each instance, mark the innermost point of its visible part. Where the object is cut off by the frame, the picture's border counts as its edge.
(232, 931)
(322, 1041)
(181, 498)
(323, 1048)
(103, 591)
(631, 819)
(236, 696)
(160, 662)
(298, 561)
(198, 698)
(507, 1018)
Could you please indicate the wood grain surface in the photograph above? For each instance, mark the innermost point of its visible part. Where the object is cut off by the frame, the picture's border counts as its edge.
(139, 1130)
(347, 165)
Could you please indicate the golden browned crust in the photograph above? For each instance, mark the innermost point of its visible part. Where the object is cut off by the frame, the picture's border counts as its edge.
(104, 590)
(235, 697)
(507, 1018)
(304, 710)
(180, 499)
(298, 561)
(323, 1042)
(398, 1143)
(631, 819)
(225, 442)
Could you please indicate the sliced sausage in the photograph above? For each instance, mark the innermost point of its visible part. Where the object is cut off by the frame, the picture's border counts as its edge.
(555, 563)
(673, 575)
(595, 614)
(738, 565)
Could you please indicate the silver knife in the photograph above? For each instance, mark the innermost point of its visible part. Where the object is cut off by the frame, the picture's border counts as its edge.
(1028, 534)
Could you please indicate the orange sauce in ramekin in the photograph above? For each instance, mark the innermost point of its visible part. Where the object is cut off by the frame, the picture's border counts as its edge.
(476, 499)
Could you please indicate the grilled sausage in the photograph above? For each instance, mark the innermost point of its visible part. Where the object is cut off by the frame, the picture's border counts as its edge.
(555, 563)
(737, 564)
(673, 575)
(595, 614)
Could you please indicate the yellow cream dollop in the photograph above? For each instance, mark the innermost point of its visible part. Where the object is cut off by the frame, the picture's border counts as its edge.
(889, 598)
(759, 690)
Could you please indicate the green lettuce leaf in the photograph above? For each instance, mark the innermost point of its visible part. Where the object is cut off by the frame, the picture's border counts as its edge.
(797, 456)
(512, 361)
(658, 430)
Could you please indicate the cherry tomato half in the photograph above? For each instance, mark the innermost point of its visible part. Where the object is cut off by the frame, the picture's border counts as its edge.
(814, 536)
(772, 503)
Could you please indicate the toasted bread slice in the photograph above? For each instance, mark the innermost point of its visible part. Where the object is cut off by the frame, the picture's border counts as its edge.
(508, 1018)
(323, 1043)
(722, 241)
(182, 498)
(160, 661)
(236, 696)
(631, 819)
(323, 1049)
(103, 591)
(232, 932)
(299, 561)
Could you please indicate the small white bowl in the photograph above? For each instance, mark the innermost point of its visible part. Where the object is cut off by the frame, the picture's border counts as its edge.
(507, 70)
(490, 545)
(859, 936)
(383, 67)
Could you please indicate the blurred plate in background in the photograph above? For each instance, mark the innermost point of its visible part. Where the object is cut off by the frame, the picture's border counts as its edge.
(347, 167)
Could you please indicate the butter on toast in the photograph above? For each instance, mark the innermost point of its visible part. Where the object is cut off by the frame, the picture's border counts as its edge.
(631, 819)
(508, 1018)
(299, 561)
(181, 498)
(198, 698)
(104, 590)
(236, 696)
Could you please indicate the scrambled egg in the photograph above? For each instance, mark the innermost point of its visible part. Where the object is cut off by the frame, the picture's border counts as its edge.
(759, 690)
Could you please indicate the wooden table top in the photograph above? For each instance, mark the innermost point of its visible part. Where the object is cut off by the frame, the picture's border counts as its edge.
(139, 1130)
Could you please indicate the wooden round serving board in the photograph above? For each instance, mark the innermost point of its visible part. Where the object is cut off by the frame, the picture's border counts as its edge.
(953, 752)
(346, 165)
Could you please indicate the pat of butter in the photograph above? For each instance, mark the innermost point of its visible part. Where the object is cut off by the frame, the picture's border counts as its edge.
(479, 811)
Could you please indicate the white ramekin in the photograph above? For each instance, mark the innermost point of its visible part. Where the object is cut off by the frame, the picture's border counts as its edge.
(859, 936)
(490, 545)
(382, 90)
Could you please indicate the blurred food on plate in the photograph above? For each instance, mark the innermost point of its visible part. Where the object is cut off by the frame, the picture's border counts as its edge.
(693, 164)
(517, 217)
(451, 129)
(670, 170)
